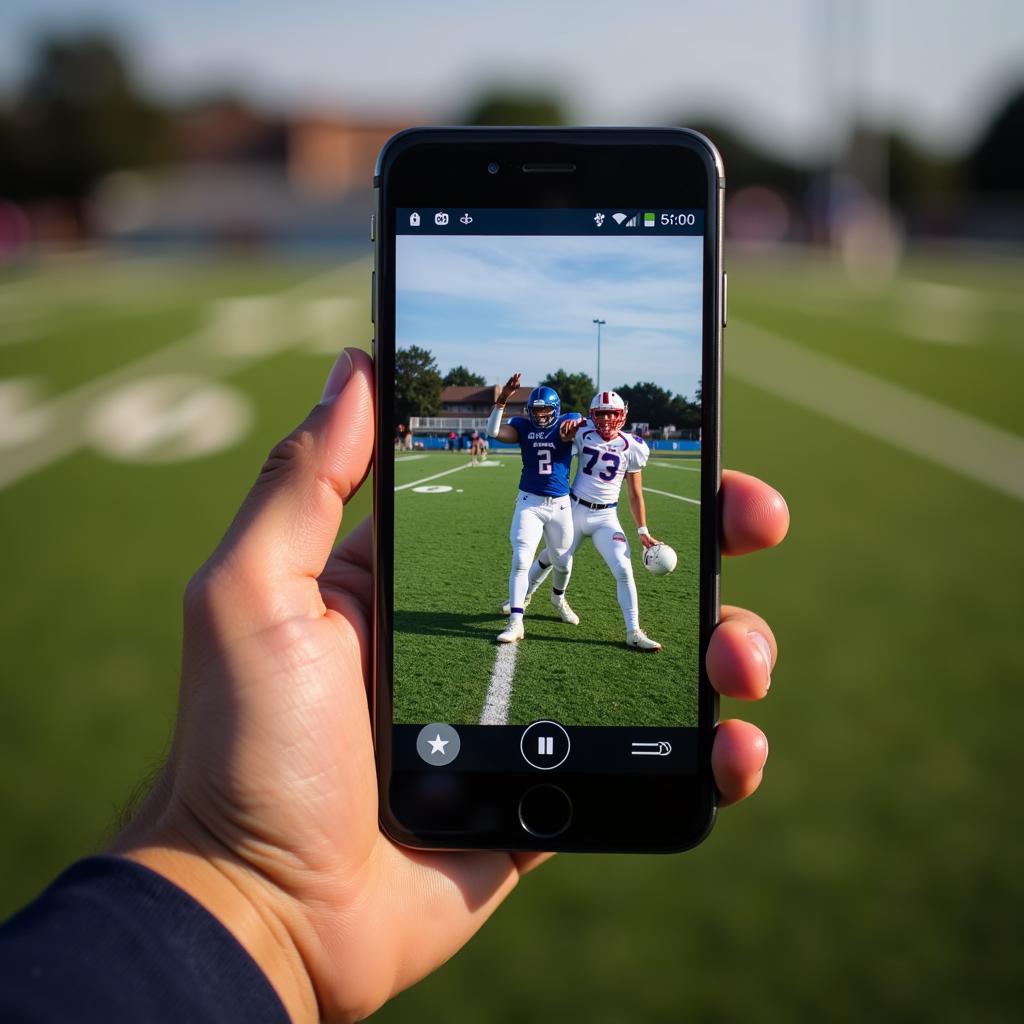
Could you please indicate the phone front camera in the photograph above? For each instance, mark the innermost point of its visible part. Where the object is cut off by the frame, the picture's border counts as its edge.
(492, 168)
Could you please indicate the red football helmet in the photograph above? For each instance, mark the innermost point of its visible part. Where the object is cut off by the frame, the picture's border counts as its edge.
(608, 413)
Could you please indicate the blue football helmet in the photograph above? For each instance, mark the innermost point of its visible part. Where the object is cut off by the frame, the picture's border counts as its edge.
(543, 406)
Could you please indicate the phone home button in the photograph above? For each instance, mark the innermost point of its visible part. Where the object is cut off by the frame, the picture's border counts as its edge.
(545, 811)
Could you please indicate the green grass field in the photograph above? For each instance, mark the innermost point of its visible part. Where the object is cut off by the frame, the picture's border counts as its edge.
(452, 560)
(876, 875)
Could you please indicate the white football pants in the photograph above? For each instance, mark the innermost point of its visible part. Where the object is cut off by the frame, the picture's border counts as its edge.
(536, 517)
(604, 529)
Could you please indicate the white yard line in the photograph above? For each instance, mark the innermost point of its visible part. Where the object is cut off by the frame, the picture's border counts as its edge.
(499, 693)
(887, 412)
(678, 497)
(416, 483)
(192, 353)
(408, 458)
(672, 465)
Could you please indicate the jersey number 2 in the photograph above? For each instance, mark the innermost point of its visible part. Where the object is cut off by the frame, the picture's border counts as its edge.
(544, 461)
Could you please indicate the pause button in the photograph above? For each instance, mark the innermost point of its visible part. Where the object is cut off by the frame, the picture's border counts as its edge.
(544, 745)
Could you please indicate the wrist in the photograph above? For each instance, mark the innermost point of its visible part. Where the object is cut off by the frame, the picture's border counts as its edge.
(254, 912)
(642, 531)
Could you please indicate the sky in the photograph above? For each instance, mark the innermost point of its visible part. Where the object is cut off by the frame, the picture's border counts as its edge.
(787, 71)
(502, 304)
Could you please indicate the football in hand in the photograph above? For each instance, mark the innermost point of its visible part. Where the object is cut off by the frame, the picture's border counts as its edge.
(660, 559)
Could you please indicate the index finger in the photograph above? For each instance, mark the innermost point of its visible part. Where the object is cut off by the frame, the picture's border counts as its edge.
(754, 515)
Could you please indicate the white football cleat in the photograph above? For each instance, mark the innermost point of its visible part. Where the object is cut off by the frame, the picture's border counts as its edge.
(641, 641)
(506, 608)
(512, 632)
(563, 609)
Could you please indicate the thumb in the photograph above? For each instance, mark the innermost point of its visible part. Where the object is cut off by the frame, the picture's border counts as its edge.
(283, 534)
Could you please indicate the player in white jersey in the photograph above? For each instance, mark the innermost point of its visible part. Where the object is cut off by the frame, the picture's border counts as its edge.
(606, 457)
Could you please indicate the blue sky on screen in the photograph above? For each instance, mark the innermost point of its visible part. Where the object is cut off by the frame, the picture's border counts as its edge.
(497, 304)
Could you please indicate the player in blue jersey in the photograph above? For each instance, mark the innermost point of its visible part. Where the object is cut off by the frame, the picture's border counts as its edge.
(542, 506)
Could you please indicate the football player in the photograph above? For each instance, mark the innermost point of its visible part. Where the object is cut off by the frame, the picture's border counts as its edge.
(475, 450)
(606, 457)
(545, 439)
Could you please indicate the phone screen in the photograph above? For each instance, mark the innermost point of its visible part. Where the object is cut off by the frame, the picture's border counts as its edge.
(601, 313)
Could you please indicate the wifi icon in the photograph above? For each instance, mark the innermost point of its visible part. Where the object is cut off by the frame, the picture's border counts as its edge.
(619, 217)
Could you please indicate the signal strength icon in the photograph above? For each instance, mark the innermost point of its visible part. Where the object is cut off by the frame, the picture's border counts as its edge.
(618, 217)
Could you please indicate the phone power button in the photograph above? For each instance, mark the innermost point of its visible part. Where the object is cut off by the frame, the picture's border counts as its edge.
(725, 299)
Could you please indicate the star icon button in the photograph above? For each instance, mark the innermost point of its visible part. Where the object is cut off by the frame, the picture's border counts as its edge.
(438, 744)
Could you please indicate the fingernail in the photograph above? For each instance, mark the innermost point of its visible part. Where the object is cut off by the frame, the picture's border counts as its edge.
(337, 378)
(763, 648)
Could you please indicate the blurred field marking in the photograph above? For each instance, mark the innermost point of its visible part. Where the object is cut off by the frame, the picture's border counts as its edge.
(499, 692)
(408, 458)
(66, 412)
(885, 411)
(940, 313)
(169, 418)
(457, 469)
(23, 418)
(678, 497)
(670, 465)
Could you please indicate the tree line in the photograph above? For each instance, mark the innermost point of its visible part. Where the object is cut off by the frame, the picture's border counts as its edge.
(80, 111)
(419, 383)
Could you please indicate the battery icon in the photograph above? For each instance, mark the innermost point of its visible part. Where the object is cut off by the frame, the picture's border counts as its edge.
(648, 220)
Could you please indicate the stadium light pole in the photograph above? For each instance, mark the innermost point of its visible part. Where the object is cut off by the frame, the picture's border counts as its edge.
(599, 323)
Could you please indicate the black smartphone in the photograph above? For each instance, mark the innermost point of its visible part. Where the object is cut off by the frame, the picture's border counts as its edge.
(548, 307)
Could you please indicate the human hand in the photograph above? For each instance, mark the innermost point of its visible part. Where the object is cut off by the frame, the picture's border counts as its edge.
(570, 428)
(648, 541)
(510, 388)
(266, 811)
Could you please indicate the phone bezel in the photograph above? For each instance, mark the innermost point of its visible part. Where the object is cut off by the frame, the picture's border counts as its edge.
(657, 167)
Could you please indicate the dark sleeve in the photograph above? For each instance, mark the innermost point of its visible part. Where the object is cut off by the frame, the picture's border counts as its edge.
(112, 941)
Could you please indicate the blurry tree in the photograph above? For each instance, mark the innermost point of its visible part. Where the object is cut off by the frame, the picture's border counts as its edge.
(907, 175)
(748, 164)
(996, 163)
(574, 389)
(460, 376)
(417, 384)
(649, 403)
(516, 106)
(77, 115)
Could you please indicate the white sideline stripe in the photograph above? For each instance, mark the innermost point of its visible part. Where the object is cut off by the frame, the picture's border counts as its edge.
(678, 497)
(70, 407)
(408, 458)
(499, 693)
(436, 476)
(890, 413)
(671, 465)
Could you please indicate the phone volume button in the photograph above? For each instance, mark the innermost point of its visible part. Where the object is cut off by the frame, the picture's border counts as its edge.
(725, 299)
(373, 296)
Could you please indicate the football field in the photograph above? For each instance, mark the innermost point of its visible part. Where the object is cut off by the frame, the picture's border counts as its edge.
(452, 561)
(877, 873)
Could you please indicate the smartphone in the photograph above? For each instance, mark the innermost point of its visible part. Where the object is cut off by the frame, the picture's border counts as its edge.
(548, 308)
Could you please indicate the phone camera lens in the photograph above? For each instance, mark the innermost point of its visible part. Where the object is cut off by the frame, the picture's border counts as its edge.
(492, 168)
